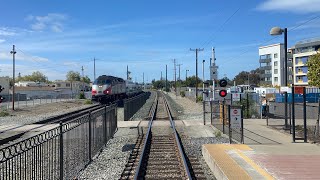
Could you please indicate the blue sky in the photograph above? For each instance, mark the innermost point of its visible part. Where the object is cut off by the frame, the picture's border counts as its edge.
(54, 37)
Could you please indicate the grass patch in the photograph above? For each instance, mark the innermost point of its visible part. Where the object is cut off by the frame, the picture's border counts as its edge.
(87, 101)
(4, 113)
(217, 134)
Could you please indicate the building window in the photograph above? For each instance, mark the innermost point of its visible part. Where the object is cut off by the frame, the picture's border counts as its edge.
(290, 69)
(275, 55)
(275, 79)
(268, 79)
(275, 71)
(67, 84)
(275, 63)
(58, 85)
(290, 78)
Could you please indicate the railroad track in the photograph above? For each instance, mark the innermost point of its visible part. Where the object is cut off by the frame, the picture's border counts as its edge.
(42, 123)
(159, 153)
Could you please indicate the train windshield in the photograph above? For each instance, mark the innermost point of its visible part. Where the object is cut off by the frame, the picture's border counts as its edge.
(101, 81)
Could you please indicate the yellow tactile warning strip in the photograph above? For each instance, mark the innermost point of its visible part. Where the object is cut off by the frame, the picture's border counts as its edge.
(230, 168)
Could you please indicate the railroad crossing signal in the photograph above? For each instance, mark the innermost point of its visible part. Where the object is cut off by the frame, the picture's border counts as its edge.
(223, 92)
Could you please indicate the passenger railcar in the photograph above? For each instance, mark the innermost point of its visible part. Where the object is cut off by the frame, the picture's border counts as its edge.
(108, 88)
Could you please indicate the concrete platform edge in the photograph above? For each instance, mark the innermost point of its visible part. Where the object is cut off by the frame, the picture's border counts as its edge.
(218, 173)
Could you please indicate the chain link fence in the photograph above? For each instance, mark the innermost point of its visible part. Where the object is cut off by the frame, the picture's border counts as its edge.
(132, 105)
(22, 100)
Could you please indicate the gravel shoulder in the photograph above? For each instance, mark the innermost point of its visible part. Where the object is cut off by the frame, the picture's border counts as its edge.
(33, 114)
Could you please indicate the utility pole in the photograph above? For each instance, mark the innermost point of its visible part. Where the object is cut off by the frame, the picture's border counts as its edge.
(161, 76)
(82, 79)
(143, 80)
(127, 72)
(196, 50)
(175, 76)
(166, 77)
(187, 73)
(94, 68)
(13, 52)
(179, 71)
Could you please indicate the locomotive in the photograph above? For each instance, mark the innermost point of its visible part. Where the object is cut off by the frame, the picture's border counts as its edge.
(109, 88)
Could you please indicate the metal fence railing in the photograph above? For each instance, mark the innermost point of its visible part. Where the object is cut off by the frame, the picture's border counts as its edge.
(132, 105)
(61, 152)
(22, 100)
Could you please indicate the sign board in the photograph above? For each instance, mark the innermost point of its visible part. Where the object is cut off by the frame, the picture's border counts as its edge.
(285, 89)
(298, 90)
(236, 97)
(235, 118)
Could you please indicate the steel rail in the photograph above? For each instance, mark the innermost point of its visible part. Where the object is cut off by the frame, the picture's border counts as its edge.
(186, 168)
(154, 107)
(153, 110)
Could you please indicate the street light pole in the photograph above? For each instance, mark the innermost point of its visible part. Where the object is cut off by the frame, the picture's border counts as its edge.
(186, 74)
(203, 61)
(13, 52)
(279, 31)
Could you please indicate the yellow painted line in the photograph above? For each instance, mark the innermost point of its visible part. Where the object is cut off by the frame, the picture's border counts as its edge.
(254, 165)
(228, 165)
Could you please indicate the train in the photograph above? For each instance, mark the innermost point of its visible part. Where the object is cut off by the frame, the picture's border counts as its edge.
(109, 88)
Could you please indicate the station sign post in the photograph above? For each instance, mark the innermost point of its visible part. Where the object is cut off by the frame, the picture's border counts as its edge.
(235, 122)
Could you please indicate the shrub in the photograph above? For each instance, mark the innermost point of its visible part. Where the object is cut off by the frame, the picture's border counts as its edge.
(182, 94)
(88, 101)
(199, 98)
(82, 96)
(217, 134)
(4, 113)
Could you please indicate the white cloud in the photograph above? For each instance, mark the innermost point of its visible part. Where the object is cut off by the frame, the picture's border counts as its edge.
(2, 40)
(296, 6)
(22, 57)
(6, 32)
(52, 21)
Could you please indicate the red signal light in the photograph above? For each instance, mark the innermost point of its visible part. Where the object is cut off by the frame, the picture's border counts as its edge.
(223, 93)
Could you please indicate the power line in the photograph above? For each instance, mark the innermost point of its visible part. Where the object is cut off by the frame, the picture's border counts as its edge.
(204, 45)
(248, 50)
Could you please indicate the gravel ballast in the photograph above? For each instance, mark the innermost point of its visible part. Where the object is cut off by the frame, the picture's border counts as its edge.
(110, 163)
(143, 112)
(28, 115)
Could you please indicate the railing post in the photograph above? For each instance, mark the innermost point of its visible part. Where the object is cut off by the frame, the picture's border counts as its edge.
(242, 136)
(293, 117)
(211, 116)
(230, 130)
(61, 150)
(223, 116)
(105, 125)
(204, 113)
(90, 136)
(305, 114)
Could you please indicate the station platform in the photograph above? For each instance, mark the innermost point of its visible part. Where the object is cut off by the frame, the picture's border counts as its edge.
(266, 154)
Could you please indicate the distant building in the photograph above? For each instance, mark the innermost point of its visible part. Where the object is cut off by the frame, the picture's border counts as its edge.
(30, 84)
(4, 82)
(272, 65)
(301, 53)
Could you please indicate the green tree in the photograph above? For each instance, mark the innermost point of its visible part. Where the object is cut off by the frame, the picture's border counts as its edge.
(159, 84)
(36, 76)
(314, 70)
(73, 76)
(191, 81)
(86, 79)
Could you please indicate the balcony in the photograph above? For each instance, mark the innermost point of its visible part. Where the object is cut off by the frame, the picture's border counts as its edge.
(266, 60)
(262, 68)
(265, 75)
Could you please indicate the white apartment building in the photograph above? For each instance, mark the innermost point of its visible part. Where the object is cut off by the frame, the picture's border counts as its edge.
(272, 64)
(301, 53)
